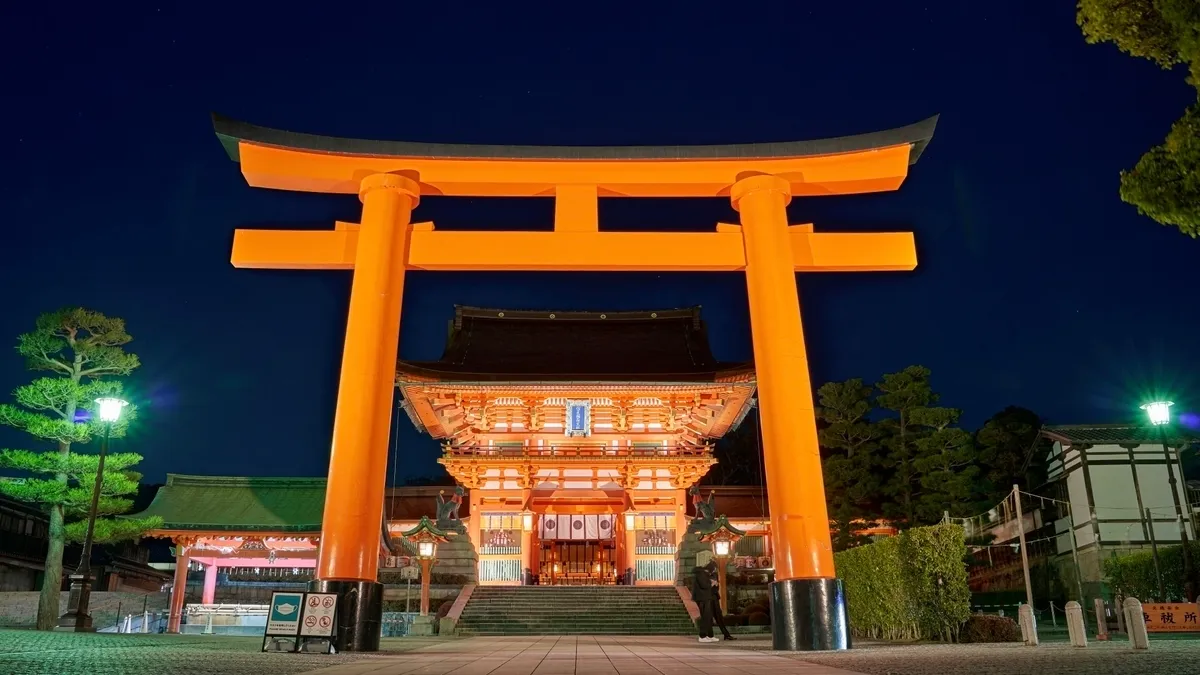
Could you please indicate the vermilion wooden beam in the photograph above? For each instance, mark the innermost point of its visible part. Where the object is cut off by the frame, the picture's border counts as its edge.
(280, 168)
(576, 251)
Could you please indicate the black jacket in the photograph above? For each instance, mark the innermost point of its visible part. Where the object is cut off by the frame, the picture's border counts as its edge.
(702, 585)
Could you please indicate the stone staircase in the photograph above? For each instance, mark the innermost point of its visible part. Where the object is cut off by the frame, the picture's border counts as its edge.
(575, 610)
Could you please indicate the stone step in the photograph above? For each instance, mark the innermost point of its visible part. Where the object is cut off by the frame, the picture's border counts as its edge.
(563, 611)
(571, 625)
(575, 610)
(576, 605)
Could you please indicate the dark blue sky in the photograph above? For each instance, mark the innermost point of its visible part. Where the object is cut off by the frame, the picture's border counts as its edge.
(1037, 286)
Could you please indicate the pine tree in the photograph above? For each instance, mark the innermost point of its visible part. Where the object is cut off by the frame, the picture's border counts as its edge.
(1012, 451)
(946, 465)
(78, 347)
(903, 393)
(850, 441)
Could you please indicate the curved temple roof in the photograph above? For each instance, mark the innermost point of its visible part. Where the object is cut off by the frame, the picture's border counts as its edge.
(232, 133)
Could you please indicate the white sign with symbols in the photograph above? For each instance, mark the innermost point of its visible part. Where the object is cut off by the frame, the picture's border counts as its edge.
(284, 617)
(320, 612)
(410, 573)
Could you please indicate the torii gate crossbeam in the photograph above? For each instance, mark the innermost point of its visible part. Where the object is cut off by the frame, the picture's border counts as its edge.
(760, 180)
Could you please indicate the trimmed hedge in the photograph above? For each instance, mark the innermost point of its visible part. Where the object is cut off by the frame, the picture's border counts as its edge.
(909, 587)
(1132, 575)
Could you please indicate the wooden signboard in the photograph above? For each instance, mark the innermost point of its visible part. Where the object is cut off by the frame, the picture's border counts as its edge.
(1171, 617)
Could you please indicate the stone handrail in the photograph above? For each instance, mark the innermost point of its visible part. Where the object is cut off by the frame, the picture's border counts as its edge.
(693, 609)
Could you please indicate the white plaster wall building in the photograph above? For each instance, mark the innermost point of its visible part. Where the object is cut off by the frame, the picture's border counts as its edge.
(1125, 486)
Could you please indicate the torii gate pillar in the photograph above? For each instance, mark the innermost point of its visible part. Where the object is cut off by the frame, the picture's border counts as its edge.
(348, 563)
(807, 601)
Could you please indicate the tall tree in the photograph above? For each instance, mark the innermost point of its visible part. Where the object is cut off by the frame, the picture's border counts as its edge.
(1165, 184)
(946, 465)
(903, 393)
(78, 347)
(850, 440)
(1012, 452)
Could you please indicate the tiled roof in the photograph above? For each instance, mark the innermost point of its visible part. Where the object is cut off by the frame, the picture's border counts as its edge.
(520, 345)
(1117, 434)
(232, 503)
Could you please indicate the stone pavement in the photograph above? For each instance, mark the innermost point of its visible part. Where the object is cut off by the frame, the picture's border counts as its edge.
(1175, 655)
(26, 652)
(585, 655)
(33, 653)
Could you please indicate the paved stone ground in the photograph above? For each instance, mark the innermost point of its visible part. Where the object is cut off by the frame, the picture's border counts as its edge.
(583, 655)
(1165, 657)
(33, 653)
(25, 652)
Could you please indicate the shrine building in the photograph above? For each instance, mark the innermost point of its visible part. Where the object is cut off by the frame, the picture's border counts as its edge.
(578, 440)
(578, 436)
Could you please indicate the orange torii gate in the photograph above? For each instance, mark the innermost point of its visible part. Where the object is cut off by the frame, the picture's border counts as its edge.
(390, 177)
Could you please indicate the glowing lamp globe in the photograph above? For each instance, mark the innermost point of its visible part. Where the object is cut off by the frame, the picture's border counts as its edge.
(630, 520)
(425, 549)
(527, 521)
(109, 409)
(1159, 412)
(721, 548)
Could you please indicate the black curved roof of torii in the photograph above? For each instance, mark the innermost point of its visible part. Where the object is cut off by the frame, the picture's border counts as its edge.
(231, 132)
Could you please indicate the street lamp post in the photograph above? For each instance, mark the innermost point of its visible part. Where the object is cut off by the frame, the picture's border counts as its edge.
(425, 537)
(1159, 413)
(108, 409)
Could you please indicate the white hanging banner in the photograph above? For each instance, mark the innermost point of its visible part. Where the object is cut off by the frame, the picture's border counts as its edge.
(606, 526)
(565, 527)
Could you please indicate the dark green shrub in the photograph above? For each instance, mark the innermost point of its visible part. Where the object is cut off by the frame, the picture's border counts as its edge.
(737, 620)
(989, 628)
(1132, 575)
(759, 619)
(909, 587)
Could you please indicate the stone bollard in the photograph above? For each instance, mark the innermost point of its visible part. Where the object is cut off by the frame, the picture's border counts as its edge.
(1075, 626)
(1136, 624)
(1028, 625)
(1101, 620)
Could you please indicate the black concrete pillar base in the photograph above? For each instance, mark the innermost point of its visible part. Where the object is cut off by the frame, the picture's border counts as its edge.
(359, 613)
(809, 615)
(77, 618)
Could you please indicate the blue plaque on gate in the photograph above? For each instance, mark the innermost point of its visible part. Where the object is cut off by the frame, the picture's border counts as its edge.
(579, 418)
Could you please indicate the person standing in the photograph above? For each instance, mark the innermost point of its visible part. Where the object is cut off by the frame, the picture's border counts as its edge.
(703, 596)
(716, 603)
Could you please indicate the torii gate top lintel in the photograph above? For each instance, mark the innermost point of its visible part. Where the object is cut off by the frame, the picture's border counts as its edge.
(285, 160)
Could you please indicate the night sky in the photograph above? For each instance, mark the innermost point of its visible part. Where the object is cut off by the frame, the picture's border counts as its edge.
(1037, 286)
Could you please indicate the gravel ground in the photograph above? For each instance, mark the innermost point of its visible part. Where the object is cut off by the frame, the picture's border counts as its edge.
(44, 653)
(1165, 657)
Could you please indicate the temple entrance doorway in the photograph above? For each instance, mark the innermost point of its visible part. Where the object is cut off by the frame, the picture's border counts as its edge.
(578, 563)
(577, 550)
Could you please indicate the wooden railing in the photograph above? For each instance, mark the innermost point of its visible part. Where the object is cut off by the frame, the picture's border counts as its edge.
(575, 451)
